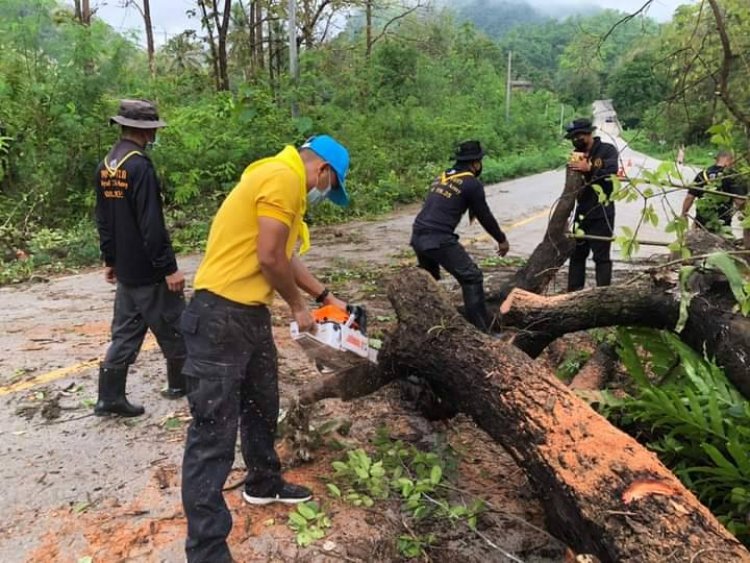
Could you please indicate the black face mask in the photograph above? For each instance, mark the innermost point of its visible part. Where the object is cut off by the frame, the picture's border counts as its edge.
(580, 144)
(478, 173)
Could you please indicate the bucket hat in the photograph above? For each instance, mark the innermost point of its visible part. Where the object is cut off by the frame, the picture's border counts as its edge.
(140, 114)
(469, 151)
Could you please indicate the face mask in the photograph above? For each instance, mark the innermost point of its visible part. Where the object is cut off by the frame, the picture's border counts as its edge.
(316, 195)
(151, 144)
(478, 172)
(580, 144)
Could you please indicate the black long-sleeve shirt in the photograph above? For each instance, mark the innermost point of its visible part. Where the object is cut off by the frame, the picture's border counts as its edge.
(722, 180)
(604, 160)
(453, 193)
(132, 235)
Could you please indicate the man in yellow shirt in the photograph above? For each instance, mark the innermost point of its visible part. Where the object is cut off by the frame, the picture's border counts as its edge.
(231, 366)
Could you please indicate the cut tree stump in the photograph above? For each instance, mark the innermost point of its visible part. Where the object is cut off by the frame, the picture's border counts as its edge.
(603, 493)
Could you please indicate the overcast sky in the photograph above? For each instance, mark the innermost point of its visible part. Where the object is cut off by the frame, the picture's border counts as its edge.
(169, 16)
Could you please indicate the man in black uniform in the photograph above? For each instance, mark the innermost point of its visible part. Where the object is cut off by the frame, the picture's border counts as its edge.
(138, 257)
(433, 238)
(597, 162)
(714, 212)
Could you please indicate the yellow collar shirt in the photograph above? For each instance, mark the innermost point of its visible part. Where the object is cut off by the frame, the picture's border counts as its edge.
(273, 187)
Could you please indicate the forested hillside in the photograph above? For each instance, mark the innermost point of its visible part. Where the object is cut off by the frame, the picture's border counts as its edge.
(399, 83)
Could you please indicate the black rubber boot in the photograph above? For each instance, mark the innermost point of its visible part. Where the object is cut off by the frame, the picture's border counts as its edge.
(475, 306)
(112, 398)
(175, 380)
(603, 273)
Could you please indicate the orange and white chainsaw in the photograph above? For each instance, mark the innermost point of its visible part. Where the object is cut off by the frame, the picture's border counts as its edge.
(340, 339)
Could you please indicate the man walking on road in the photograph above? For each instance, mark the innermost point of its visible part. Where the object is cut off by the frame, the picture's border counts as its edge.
(232, 365)
(138, 257)
(434, 240)
(597, 161)
(714, 212)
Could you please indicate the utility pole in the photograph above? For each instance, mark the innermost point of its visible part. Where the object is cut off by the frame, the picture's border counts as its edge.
(507, 87)
(293, 57)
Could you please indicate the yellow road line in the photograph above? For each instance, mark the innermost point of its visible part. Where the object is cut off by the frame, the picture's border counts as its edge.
(484, 237)
(59, 373)
(529, 219)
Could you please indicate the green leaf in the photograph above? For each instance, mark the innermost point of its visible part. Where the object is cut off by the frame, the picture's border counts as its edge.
(436, 474)
(721, 461)
(333, 490)
(297, 520)
(630, 359)
(729, 266)
(306, 511)
(304, 538)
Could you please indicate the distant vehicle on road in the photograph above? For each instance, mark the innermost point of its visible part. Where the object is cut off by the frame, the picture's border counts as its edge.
(609, 119)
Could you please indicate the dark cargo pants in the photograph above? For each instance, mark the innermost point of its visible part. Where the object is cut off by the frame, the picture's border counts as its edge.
(603, 227)
(138, 309)
(453, 257)
(232, 375)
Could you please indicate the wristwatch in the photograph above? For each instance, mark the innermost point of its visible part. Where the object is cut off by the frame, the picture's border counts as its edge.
(323, 294)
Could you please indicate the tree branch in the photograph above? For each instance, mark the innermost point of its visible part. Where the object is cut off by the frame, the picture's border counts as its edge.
(622, 21)
(726, 64)
(383, 31)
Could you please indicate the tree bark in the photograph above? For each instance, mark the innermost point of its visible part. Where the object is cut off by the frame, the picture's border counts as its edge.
(597, 371)
(206, 22)
(85, 12)
(603, 493)
(368, 28)
(222, 28)
(554, 249)
(149, 37)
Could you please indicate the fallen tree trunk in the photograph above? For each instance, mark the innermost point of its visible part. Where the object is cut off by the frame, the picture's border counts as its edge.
(603, 493)
(555, 248)
(711, 326)
(597, 371)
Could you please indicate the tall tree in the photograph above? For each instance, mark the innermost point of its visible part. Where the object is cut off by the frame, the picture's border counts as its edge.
(144, 8)
(216, 23)
(82, 10)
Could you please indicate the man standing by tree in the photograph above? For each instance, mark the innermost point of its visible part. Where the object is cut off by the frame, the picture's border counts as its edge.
(714, 212)
(138, 257)
(433, 234)
(595, 213)
(231, 365)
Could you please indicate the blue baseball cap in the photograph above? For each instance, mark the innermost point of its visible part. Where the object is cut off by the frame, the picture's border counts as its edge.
(335, 154)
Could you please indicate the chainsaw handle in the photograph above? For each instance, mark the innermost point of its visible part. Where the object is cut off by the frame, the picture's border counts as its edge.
(358, 314)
